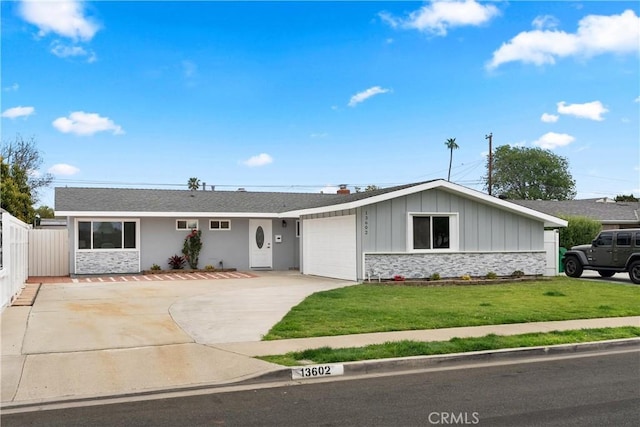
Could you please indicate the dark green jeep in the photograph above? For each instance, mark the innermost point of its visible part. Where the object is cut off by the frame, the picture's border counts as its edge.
(611, 252)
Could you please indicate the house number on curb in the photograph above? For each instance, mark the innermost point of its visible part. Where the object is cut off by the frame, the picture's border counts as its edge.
(316, 371)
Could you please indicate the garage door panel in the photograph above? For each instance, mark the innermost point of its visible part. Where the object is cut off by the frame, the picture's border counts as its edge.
(329, 247)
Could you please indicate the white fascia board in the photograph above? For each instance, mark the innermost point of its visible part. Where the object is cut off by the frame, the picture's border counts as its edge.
(549, 221)
(128, 214)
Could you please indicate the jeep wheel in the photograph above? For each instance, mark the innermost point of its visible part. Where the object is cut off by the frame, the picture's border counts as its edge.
(634, 272)
(573, 268)
(606, 273)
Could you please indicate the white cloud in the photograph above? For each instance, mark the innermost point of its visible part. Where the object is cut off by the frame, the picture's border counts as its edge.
(597, 34)
(189, 68)
(65, 18)
(545, 21)
(552, 140)
(366, 94)
(63, 169)
(438, 16)
(81, 123)
(259, 160)
(15, 112)
(319, 135)
(549, 118)
(13, 88)
(637, 99)
(589, 110)
(64, 51)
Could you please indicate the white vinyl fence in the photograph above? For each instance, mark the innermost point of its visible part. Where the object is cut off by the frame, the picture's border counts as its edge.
(48, 252)
(552, 248)
(14, 257)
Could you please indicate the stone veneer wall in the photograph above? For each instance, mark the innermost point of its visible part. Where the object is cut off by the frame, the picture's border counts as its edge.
(107, 262)
(420, 266)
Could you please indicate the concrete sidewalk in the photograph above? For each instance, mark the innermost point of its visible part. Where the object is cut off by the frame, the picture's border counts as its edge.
(94, 340)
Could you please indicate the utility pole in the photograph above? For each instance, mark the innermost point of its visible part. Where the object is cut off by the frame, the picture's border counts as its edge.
(490, 138)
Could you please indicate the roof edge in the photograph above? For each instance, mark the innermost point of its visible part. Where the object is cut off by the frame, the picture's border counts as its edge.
(549, 220)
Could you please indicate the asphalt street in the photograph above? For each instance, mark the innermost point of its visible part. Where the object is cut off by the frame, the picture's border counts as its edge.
(590, 389)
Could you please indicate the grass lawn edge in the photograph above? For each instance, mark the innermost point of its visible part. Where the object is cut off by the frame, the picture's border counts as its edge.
(407, 348)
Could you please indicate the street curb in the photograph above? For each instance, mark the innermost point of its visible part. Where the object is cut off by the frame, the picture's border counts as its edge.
(400, 364)
(364, 367)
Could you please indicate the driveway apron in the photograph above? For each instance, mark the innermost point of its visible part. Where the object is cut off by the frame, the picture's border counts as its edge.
(93, 339)
(247, 312)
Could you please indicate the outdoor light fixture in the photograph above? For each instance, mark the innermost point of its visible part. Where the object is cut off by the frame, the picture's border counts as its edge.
(284, 223)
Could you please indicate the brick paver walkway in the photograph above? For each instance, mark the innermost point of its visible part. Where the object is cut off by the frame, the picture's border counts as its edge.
(170, 277)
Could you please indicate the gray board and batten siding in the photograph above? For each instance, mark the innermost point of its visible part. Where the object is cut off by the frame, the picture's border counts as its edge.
(489, 239)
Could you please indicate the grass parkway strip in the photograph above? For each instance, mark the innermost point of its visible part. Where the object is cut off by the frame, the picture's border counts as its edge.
(455, 345)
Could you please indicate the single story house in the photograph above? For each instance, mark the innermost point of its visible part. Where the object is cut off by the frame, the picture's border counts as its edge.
(611, 214)
(413, 230)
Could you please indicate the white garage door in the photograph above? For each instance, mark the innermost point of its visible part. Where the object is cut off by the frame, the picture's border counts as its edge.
(329, 247)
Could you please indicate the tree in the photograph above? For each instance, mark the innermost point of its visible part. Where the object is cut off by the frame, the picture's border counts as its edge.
(451, 145)
(625, 198)
(530, 174)
(15, 194)
(580, 230)
(24, 155)
(370, 187)
(193, 184)
(45, 212)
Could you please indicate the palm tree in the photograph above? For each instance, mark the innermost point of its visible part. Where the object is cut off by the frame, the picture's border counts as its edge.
(193, 184)
(451, 145)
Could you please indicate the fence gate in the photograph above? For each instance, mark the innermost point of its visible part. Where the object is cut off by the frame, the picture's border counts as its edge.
(48, 252)
(551, 247)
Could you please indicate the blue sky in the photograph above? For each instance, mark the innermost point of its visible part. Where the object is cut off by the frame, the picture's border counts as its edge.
(303, 96)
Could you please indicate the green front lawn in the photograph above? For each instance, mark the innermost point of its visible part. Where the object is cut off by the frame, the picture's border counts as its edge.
(396, 307)
(455, 345)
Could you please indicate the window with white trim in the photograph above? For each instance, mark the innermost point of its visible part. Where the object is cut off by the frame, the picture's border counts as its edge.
(186, 224)
(432, 232)
(107, 234)
(220, 224)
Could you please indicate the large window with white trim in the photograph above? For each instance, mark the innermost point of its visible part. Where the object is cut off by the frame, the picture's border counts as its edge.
(107, 234)
(435, 232)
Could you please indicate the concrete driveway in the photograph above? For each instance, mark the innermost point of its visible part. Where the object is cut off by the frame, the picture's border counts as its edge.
(86, 339)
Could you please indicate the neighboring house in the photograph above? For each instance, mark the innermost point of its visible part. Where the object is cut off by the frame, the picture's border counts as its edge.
(413, 230)
(611, 214)
(51, 223)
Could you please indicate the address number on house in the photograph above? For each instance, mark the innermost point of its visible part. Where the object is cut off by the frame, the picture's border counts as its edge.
(316, 371)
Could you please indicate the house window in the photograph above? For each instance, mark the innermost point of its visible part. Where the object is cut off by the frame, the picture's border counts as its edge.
(432, 232)
(220, 224)
(107, 234)
(186, 224)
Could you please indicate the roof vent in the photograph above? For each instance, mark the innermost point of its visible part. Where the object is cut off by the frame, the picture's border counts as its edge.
(343, 189)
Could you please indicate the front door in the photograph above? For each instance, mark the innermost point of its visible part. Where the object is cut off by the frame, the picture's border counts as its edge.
(260, 243)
